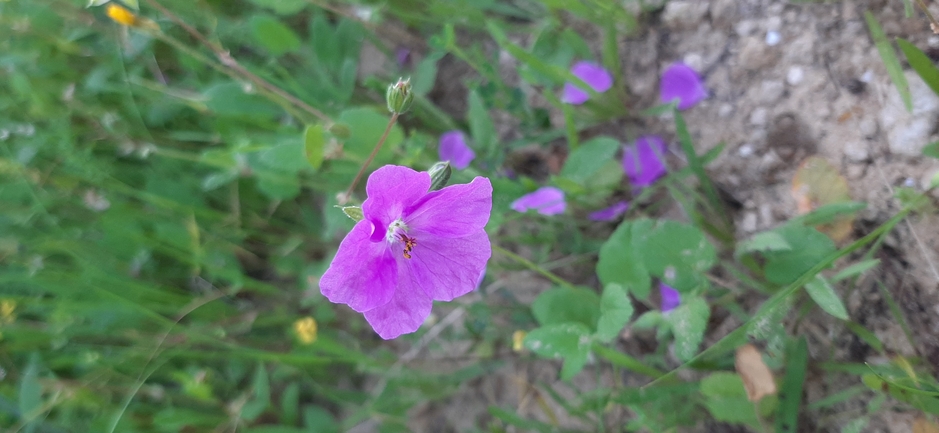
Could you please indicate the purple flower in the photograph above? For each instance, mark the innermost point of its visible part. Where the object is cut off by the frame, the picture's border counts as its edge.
(644, 161)
(681, 82)
(592, 74)
(547, 200)
(402, 56)
(412, 247)
(670, 298)
(453, 148)
(610, 213)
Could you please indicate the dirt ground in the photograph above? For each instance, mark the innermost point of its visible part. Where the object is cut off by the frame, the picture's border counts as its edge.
(786, 81)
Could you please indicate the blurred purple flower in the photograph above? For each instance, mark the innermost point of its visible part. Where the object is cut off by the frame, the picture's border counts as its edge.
(592, 74)
(644, 161)
(412, 247)
(402, 56)
(610, 213)
(670, 298)
(681, 82)
(453, 148)
(547, 200)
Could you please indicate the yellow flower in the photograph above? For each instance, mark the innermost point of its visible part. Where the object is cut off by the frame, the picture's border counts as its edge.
(306, 329)
(517, 338)
(6, 311)
(121, 15)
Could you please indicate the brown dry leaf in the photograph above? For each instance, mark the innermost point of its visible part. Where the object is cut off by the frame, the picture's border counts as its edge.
(757, 378)
(923, 425)
(817, 183)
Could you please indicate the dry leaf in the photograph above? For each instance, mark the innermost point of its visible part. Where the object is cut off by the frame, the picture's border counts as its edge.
(757, 378)
(817, 183)
(923, 425)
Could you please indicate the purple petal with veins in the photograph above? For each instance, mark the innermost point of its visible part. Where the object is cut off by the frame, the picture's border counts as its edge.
(591, 73)
(453, 148)
(611, 213)
(681, 82)
(547, 200)
(644, 161)
(670, 298)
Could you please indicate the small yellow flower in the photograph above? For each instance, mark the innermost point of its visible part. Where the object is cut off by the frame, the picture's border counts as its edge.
(7, 306)
(305, 329)
(517, 338)
(121, 15)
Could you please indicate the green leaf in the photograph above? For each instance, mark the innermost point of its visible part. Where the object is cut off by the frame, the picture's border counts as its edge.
(30, 394)
(260, 395)
(855, 269)
(889, 57)
(688, 322)
(353, 212)
(678, 254)
(290, 404)
(726, 399)
(481, 127)
(230, 99)
(133, 4)
(825, 296)
(314, 143)
(285, 157)
(790, 394)
(424, 75)
(586, 160)
(319, 420)
(620, 262)
(809, 247)
(565, 304)
(282, 7)
(615, 311)
(278, 185)
(932, 150)
(570, 341)
(766, 241)
(366, 127)
(273, 35)
(920, 63)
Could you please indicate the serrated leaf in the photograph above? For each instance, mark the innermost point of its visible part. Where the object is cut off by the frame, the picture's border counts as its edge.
(570, 341)
(314, 143)
(766, 241)
(818, 183)
(678, 254)
(615, 311)
(619, 261)
(825, 296)
(585, 161)
(688, 322)
(273, 35)
(566, 305)
(920, 63)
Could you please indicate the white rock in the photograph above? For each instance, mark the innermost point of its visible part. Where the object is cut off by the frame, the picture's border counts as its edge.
(680, 14)
(758, 117)
(907, 133)
(855, 149)
(771, 91)
(725, 110)
(867, 126)
(754, 55)
(748, 225)
(745, 151)
(694, 60)
(795, 75)
(773, 38)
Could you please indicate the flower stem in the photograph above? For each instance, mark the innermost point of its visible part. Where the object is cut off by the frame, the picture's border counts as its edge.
(533, 266)
(368, 161)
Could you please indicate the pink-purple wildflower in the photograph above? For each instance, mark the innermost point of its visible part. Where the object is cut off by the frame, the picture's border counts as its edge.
(644, 161)
(681, 82)
(453, 148)
(591, 73)
(671, 299)
(411, 248)
(611, 213)
(547, 200)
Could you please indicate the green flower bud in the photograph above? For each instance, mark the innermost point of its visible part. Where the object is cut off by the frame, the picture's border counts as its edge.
(399, 96)
(439, 175)
(353, 212)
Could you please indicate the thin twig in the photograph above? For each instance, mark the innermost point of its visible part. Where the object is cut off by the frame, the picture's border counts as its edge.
(368, 161)
(226, 59)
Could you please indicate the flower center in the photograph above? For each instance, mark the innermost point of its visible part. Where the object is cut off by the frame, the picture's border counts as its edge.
(397, 231)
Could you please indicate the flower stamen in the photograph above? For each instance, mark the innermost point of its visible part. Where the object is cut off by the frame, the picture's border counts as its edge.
(409, 244)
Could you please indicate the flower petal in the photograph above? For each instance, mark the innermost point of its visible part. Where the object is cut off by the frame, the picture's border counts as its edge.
(453, 148)
(547, 200)
(670, 298)
(591, 73)
(644, 162)
(406, 311)
(363, 274)
(610, 213)
(681, 82)
(452, 212)
(448, 268)
(390, 190)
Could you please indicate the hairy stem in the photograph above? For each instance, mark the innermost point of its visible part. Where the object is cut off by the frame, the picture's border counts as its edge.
(358, 176)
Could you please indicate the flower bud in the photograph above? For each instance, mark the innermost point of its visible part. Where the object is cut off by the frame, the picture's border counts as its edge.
(439, 175)
(121, 15)
(353, 212)
(399, 96)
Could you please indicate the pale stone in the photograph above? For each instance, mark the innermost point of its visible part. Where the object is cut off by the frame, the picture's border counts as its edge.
(908, 132)
(795, 75)
(680, 14)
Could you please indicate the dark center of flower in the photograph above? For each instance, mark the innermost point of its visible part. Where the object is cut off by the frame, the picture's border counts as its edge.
(409, 243)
